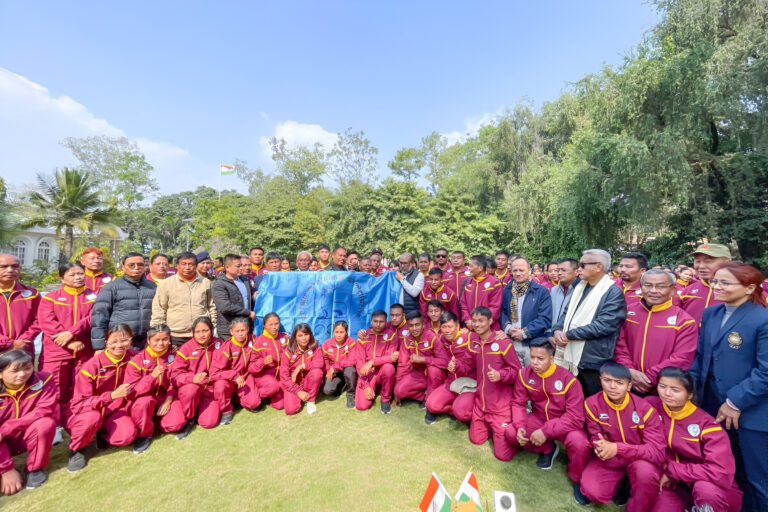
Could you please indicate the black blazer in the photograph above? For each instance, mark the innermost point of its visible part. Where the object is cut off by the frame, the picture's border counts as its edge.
(229, 303)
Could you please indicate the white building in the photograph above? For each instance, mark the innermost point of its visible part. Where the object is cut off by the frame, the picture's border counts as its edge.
(39, 243)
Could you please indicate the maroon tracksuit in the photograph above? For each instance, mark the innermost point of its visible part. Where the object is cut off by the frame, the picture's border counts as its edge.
(377, 348)
(28, 422)
(93, 407)
(417, 381)
(266, 377)
(442, 399)
(657, 337)
(190, 359)
(231, 361)
(308, 379)
(65, 309)
(699, 462)
(557, 409)
(635, 426)
(696, 297)
(504, 278)
(680, 285)
(444, 294)
(492, 411)
(632, 293)
(454, 278)
(97, 281)
(18, 317)
(148, 393)
(486, 291)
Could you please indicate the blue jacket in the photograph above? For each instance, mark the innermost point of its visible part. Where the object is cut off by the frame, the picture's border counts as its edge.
(536, 316)
(736, 357)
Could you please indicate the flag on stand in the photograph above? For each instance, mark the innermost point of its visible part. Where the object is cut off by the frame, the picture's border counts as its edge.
(436, 499)
(469, 494)
(226, 170)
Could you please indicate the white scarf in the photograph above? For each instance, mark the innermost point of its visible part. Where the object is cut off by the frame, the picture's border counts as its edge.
(579, 315)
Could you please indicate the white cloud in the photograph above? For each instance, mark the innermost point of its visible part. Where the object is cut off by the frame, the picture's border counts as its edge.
(298, 134)
(33, 122)
(471, 127)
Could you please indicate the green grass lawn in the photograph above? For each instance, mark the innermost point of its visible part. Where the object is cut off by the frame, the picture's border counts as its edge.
(335, 460)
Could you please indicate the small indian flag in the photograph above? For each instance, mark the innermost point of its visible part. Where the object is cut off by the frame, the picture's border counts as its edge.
(226, 170)
(469, 494)
(436, 499)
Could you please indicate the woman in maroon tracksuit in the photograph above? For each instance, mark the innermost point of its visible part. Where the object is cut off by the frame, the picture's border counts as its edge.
(301, 370)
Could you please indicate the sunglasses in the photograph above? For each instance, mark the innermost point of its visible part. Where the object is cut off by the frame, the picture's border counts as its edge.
(583, 264)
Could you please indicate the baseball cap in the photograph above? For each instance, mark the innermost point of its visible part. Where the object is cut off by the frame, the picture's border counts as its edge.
(714, 250)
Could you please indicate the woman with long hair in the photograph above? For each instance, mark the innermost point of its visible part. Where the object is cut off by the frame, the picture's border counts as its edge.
(301, 371)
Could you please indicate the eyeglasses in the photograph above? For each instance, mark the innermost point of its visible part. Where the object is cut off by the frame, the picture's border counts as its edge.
(583, 264)
(441, 255)
(721, 283)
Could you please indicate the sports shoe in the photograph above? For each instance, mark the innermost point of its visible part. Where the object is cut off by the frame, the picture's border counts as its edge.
(621, 497)
(76, 461)
(430, 418)
(546, 460)
(350, 400)
(311, 408)
(58, 437)
(423, 404)
(36, 478)
(579, 496)
(141, 444)
(386, 407)
(226, 418)
(185, 430)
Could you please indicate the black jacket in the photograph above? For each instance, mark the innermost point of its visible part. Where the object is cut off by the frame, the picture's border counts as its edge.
(229, 302)
(601, 334)
(123, 301)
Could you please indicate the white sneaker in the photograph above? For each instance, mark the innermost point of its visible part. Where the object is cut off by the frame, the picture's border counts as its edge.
(311, 408)
(58, 437)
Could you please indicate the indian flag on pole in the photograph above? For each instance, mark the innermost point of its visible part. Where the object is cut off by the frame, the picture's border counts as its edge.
(436, 499)
(468, 497)
(226, 170)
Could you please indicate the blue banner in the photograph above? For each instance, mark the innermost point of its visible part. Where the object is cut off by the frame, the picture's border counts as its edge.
(322, 298)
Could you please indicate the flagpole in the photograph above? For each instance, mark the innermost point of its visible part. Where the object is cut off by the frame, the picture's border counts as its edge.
(219, 180)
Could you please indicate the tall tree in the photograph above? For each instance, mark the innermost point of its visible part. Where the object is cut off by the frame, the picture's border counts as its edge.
(353, 158)
(302, 167)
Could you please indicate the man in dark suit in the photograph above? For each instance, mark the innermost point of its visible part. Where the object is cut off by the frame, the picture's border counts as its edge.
(232, 296)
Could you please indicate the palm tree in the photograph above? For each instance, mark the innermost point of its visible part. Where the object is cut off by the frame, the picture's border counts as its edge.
(69, 200)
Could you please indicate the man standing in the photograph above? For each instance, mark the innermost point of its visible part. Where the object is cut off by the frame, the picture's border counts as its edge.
(338, 259)
(377, 268)
(631, 268)
(256, 255)
(698, 295)
(158, 268)
(526, 309)
(425, 263)
(412, 281)
(233, 297)
(92, 260)
(126, 300)
(353, 261)
(204, 265)
(272, 265)
(303, 259)
(656, 333)
(568, 277)
(586, 334)
(550, 276)
(18, 309)
(480, 289)
(436, 289)
(458, 272)
(181, 299)
(365, 265)
(502, 270)
(441, 259)
(323, 256)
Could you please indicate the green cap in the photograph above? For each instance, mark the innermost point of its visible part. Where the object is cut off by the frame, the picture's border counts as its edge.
(714, 250)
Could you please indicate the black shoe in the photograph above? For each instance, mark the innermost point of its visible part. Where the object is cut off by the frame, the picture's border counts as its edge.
(423, 404)
(350, 400)
(101, 442)
(621, 497)
(226, 418)
(185, 430)
(386, 407)
(546, 460)
(141, 444)
(76, 461)
(579, 497)
(430, 418)
(36, 478)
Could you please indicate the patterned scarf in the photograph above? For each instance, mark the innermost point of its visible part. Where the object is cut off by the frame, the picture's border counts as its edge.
(518, 290)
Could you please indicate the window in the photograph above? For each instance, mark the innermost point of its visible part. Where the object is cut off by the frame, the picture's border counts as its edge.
(43, 250)
(19, 250)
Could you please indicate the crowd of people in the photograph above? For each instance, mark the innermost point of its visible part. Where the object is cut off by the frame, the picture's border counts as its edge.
(653, 380)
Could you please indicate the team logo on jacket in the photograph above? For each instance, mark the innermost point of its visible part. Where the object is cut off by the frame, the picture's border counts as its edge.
(26, 293)
(234, 354)
(459, 340)
(217, 345)
(694, 430)
(426, 344)
(106, 280)
(282, 340)
(62, 298)
(638, 292)
(672, 320)
(445, 296)
(404, 332)
(37, 385)
(531, 381)
(250, 344)
(194, 353)
(346, 349)
(630, 313)
(635, 417)
(146, 361)
(310, 352)
(467, 273)
(293, 357)
(170, 358)
(330, 349)
(495, 347)
(91, 296)
(102, 370)
(734, 340)
(695, 291)
(603, 416)
(487, 285)
(265, 343)
(559, 385)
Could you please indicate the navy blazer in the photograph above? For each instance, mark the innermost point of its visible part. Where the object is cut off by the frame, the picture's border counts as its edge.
(537, 309)
(736, 357)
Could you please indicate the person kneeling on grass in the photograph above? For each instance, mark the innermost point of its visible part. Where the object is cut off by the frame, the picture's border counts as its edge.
(377, 353)
(231, 370)
(418, 367)
(340, 356)
(151, 392)
(191, 378)
(301, 370)
(496, 368)
(28, 411)
(627, 439)
(557, 412)
(266, 365)
(700, 467)
(100, 401)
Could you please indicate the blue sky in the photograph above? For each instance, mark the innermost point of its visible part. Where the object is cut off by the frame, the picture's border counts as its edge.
(196, 83)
